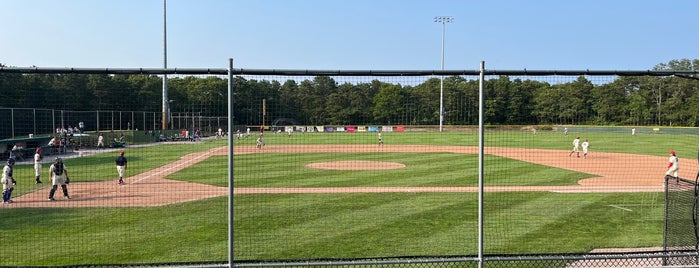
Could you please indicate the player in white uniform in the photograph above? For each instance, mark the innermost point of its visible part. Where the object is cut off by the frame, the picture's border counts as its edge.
(37, 165)
(100, 141)
(58, 175)
(673, 167)
(260, 142)
(576, 146)
(8, 181)
(585, 145)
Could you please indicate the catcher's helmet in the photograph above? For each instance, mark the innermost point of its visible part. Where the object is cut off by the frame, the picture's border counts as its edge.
(11, 160)
(59, 160)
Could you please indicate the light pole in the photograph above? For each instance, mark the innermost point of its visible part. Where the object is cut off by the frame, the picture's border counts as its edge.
(443, 20)
(166, 104)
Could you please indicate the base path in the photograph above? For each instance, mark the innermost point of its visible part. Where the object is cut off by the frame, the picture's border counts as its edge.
(146, 189)
(615, 173)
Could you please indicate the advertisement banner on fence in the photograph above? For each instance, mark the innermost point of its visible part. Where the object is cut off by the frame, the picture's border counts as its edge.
(329, 129)
(387, 129)
(361, 129)
(400, 129)
(373, 129)
(340, 129)
(351, 129)
(320, 128)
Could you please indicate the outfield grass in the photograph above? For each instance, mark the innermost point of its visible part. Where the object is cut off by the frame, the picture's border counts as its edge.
(403, 224)
(301, 226)
(650, 144)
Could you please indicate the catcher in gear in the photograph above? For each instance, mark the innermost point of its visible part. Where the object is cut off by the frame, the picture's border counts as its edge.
(8, 181)
(58, 174)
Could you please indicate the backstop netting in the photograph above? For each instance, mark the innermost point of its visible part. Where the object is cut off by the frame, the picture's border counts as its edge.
(352, 169)
(681, 233)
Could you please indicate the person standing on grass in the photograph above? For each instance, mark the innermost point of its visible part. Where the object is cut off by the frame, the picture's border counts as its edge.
(37, 164)
(100, 141)
(380, 138)
(121, 164)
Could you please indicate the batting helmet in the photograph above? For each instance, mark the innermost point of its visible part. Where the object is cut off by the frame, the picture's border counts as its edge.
(672, 152)
(11, 160)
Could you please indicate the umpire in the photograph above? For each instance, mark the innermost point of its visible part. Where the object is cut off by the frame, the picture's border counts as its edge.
(121, 164)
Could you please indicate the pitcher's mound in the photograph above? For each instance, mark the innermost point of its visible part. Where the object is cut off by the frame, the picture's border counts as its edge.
(356, 165)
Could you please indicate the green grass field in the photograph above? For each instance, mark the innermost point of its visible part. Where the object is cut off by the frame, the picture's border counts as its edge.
(354, 225)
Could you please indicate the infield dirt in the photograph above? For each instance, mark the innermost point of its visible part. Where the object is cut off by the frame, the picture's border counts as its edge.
(616, 172)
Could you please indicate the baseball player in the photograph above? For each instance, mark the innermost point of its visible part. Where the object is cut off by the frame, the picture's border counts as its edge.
(58, 175)
(380, 138)
(585, 145)
(121, 164)
(673, 167)
(37, 164)
(576, 147)
(8, 182)
(100, 141)
(260, 142)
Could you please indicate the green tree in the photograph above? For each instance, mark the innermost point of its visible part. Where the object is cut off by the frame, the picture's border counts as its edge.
(609, 103)
(388, 104)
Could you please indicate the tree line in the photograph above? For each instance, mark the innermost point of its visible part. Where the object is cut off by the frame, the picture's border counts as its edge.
(629, 100)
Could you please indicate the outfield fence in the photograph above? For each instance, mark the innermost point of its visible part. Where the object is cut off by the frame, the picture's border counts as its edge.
(486, 191)
(22, 122)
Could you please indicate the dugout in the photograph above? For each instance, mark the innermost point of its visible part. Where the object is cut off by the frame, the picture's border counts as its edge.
(28, 146)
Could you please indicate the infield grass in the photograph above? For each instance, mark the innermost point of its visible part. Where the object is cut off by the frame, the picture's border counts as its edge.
(358, 225)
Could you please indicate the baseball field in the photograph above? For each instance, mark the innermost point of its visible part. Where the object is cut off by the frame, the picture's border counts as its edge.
(340, 195)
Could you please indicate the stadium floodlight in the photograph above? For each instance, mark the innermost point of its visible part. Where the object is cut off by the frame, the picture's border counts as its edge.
(443, 20)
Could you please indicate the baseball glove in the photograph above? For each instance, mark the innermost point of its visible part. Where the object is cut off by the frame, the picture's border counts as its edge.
(67, 180)
(14, 182)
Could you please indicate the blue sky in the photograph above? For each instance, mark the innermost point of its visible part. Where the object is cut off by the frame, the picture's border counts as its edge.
(349, 35)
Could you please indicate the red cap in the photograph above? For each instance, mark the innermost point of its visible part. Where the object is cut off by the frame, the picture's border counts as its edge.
(121, 153)
(672, 152)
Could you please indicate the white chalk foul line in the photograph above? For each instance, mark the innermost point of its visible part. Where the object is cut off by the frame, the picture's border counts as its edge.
(620, 207)
(179, 163)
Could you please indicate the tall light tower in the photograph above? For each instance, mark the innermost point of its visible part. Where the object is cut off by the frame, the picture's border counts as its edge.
(443, 20)
(166, 103)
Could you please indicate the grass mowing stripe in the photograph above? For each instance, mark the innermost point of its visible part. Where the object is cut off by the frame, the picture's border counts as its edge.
(444, 223)
(525, 220)
(579, 221)
(116, 235)
(146, 234)
(422, 169)
(98, 232)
